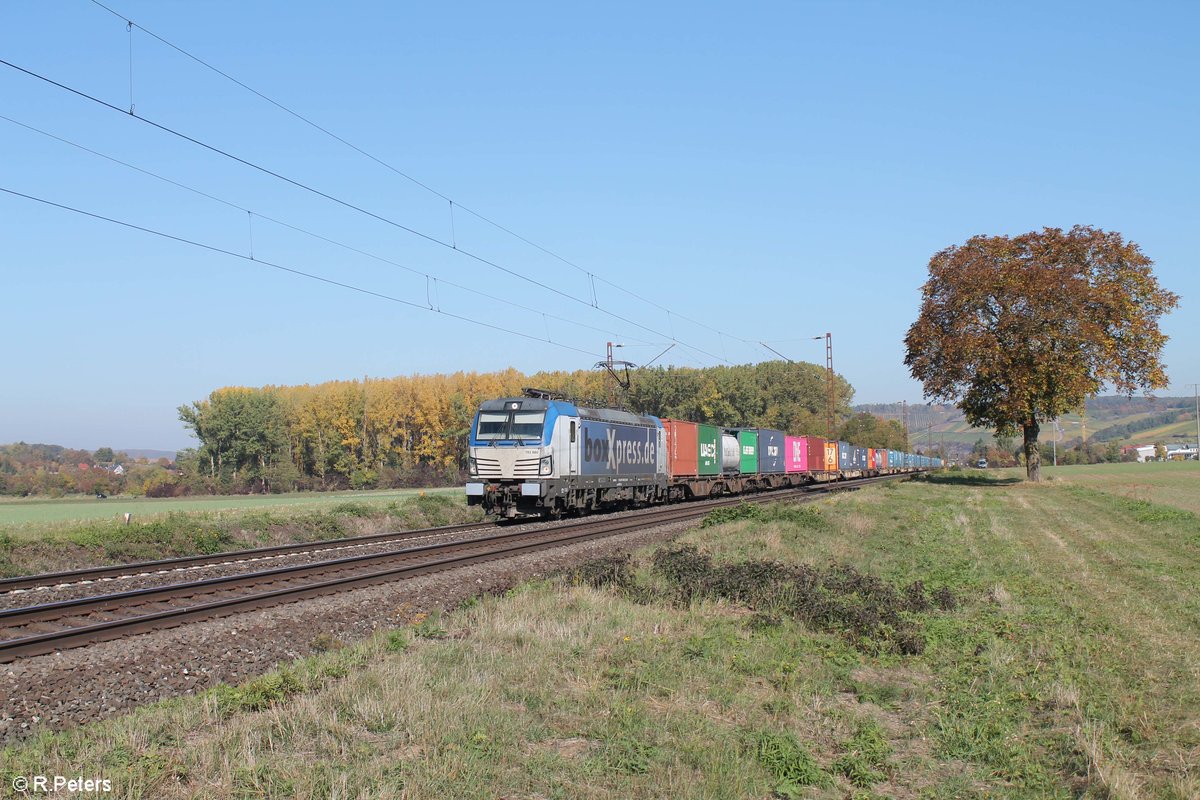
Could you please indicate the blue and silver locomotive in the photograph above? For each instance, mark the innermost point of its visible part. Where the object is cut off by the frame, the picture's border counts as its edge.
(532, 456)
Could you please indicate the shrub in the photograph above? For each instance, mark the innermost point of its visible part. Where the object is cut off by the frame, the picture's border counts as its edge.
(612, 571)
(874, 615)
(364, 479)
(741, 511)
(353, 509)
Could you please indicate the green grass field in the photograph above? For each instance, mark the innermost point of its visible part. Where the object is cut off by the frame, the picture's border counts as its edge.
(1175, 483)
(22, 513)
(1049, 651)
(211, 525)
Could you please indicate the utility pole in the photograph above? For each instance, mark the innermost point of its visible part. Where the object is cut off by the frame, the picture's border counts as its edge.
(1196, 393)
(906, 442)
(830, 387)
(1054, 441)
(832, 384)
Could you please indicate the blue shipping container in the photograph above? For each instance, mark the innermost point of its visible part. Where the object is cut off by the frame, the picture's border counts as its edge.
(845, 456)
(770, 451)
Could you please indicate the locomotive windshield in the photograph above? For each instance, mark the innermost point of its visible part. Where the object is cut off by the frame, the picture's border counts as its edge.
(495, 426)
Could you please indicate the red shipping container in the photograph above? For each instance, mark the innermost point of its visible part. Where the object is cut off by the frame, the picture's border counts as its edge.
(881, 459)
(683, 447)
(816, 452)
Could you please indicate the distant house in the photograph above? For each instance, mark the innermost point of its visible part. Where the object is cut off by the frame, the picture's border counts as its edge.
(1145, 452)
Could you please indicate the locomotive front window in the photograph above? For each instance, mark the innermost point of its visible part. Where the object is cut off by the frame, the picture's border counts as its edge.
(495, 426)
(527, 424)
(492, 425)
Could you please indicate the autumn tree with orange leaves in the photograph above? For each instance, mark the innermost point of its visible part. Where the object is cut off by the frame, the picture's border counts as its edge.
(1019, 330)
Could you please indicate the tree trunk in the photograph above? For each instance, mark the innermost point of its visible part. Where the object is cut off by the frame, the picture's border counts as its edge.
(1033, 455)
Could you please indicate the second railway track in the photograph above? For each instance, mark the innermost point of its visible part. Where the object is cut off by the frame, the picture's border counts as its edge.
(40, 629)
(114, 572)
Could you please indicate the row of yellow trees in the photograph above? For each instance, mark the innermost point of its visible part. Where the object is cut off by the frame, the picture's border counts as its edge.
(413, 430)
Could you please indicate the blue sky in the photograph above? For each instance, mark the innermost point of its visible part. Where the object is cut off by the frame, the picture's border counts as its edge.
(773, 170)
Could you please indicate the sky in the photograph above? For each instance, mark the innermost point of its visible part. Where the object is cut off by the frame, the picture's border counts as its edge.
(716, 175)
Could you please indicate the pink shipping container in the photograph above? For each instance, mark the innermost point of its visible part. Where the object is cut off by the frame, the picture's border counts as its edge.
(795, 451)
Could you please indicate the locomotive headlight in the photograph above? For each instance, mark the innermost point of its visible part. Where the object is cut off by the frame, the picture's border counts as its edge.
(472, 466)
(546, 465)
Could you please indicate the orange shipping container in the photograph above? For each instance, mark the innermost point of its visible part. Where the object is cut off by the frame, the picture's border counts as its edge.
(831, 456)
(683, 447)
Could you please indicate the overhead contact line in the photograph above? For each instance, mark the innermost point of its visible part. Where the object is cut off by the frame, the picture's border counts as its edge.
(350, 248)
(351, 206)
(282, 268)
(592, 277)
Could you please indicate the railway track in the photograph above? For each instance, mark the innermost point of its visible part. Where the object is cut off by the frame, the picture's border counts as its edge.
(40, 629)
(51, 580)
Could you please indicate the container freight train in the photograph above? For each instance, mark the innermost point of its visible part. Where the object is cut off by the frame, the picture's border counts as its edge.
(533, 457)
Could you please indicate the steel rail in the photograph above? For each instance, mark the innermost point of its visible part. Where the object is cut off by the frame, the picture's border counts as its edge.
(114, 571)
(452, 556)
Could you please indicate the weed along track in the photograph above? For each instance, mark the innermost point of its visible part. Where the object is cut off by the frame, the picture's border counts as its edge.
(40, 629)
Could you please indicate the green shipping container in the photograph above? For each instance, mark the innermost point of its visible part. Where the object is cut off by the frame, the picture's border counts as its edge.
(710, 450)
(748, 442)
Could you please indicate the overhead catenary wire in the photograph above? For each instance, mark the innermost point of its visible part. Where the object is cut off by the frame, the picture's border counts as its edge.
(300, 185)
(129, 29)
(283, 268)
(385, 164)
(349, 248)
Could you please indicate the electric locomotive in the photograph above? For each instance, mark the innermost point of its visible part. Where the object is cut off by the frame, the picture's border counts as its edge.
(537, 456)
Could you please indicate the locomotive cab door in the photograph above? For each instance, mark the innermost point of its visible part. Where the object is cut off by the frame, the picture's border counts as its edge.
(573, 447)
